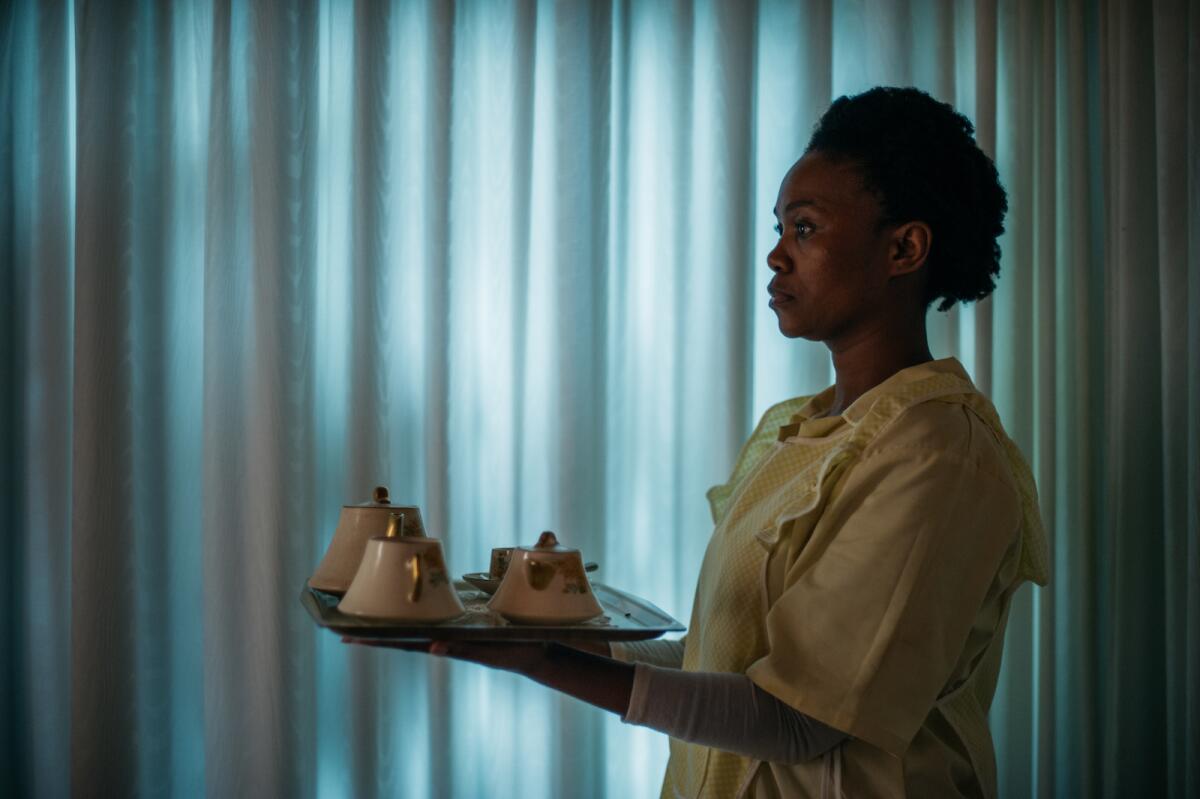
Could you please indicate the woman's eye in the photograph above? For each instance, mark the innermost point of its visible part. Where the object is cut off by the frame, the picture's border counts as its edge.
(803, 229)
(778, 229)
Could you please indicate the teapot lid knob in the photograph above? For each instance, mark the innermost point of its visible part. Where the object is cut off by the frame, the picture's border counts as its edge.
(380, 495)
(547, 540)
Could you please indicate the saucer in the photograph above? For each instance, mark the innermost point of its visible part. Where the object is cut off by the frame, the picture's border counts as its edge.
(483, 581)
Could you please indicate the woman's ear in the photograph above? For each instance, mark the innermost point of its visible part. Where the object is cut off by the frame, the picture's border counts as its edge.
(910, 248)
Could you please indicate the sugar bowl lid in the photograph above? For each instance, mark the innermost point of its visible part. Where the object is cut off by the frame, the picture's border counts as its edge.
(379, 499)
(547, 543)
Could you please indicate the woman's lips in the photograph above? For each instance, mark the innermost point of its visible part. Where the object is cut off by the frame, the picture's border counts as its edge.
(778, 297)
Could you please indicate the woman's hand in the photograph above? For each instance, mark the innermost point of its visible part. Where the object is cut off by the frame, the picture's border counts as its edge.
(594, 678)
(518, 657)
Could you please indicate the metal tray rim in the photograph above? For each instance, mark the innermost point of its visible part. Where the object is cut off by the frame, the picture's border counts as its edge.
(626, 608)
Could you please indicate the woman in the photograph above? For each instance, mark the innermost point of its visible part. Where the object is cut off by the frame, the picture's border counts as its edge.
(849, 615)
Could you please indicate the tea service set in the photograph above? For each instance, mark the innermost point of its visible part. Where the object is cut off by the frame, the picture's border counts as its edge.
(387, 568)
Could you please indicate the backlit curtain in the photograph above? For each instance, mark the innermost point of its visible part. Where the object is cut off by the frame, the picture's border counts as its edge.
(508, 259)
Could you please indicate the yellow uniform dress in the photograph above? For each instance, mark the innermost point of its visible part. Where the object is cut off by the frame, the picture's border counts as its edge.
(860, 570)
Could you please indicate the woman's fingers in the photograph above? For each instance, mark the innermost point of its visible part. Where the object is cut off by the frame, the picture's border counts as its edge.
(488, 653)
(407, 646)
(442, 648)
(519, 657)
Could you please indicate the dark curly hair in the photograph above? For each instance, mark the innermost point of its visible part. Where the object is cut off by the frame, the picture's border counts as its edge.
(920, 158)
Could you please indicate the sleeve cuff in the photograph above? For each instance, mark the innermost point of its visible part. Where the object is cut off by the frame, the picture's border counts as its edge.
(639, 695)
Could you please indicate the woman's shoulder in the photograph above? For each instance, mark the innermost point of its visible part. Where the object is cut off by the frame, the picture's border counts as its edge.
(951, 428)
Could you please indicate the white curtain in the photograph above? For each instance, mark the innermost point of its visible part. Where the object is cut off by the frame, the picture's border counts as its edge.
(508, 258)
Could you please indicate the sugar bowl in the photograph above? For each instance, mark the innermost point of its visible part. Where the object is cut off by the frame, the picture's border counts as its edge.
(545, 584)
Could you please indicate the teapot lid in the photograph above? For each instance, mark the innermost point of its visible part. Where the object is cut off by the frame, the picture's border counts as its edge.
(548, 542)
(379, 499)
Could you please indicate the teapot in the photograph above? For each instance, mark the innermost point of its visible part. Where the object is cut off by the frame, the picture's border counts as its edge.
(356, 526)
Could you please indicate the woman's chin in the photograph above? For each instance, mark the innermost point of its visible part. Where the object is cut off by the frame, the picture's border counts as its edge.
(791, 328)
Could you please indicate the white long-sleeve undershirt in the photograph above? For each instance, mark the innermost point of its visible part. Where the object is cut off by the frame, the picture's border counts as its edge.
(722, 711)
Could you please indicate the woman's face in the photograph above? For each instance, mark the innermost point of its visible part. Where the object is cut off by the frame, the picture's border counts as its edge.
(831, 263)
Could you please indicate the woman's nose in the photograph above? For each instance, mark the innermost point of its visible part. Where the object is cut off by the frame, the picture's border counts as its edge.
(776, 260)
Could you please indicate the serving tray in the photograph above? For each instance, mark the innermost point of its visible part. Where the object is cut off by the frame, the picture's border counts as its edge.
(626, 618)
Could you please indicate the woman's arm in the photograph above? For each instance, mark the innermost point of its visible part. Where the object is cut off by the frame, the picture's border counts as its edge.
(724, 711)
(728, 712)
(597, 680)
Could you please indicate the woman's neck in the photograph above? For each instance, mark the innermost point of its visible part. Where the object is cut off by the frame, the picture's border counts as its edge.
(864, 363)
